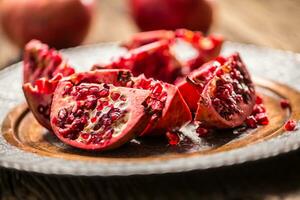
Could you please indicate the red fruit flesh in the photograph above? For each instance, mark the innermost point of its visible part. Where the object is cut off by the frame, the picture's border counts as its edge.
(39, 98)
(87, 116)
(227, 99)
(40, 61)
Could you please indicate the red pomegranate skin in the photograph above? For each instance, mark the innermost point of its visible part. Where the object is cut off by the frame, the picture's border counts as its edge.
(172, 14)
(59, 23)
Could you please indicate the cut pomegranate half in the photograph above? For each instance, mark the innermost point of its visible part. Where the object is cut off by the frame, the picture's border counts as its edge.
(97, 116)
(40, 61)
(227, 99)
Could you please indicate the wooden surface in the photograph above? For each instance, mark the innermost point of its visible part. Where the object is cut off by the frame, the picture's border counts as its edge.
(272, 23)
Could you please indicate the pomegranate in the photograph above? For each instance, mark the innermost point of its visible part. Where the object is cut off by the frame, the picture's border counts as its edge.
(154, 60)
(172, 14)
(40, 61)
(59, 23)
(97, 116)
(223, 91)
(207, 48)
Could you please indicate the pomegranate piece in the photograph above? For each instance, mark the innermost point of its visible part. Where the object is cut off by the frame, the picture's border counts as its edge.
(207, 48)
(39, 97)
(284, 103)
(154, 60)
(170, 112)
(290, 125)
(40, 61)
(87, 116)
(227, 98)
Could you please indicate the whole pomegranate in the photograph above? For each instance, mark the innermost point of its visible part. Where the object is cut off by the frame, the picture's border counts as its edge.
(172, 14)
(59, 23)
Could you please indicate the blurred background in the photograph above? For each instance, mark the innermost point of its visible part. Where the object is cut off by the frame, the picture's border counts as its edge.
(271, 23)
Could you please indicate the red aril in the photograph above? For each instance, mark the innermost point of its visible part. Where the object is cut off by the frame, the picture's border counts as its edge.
(87, 117)
(290, 125)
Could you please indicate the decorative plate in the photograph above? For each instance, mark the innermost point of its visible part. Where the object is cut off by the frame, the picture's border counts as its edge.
(25, 145)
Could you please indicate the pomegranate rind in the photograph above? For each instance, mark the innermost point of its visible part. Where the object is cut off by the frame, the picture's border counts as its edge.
(40, 96)
(138, 118)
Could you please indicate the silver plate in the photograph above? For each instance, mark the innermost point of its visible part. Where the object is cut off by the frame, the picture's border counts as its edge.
(277, 65)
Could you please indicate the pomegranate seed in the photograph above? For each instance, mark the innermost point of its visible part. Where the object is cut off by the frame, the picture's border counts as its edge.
(173, 138)
(258, 108)
(284, 103)
(85, 136)
(258, 100)
(290, 125)
(202, 132)
(262, 119)
(94, 119)
(251, 122)
(115, 95)
(104, 93)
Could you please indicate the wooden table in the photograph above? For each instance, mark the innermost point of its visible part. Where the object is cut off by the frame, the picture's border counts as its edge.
(272, 23)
